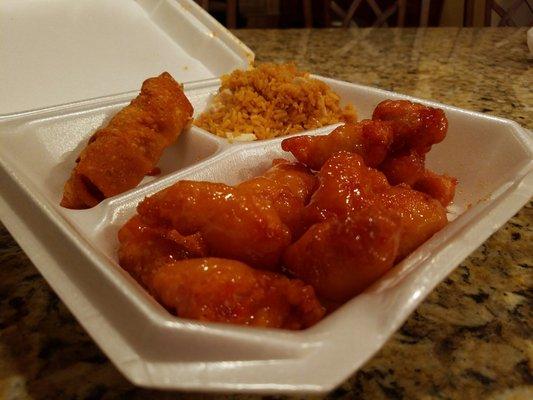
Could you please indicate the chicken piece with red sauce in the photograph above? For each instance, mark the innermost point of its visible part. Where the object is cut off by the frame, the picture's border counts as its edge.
(232, 223)
(395, 141)
(289, 187)
(361, 226)
(416, 129)
(252, 222)
(409, 169)
(221, 290)
(404, 168)
(145, 248)
(416, 126)
(348, 187)
(370, 139)
(341, 258)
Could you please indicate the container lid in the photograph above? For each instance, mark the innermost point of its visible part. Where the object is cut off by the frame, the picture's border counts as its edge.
(63, 51)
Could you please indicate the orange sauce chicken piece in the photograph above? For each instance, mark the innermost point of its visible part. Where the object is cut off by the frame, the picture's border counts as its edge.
(221, 290)
(268, 251)
(395, 142)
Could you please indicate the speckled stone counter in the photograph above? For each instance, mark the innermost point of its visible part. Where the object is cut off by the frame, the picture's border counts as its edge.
(472, 338)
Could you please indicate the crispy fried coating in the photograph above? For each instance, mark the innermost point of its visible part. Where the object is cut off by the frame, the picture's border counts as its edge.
(221, 290)
(370, 139)
(289, 187)
(397, 127)
(342, 258)
(421, 216)
(404, 168)
(359, 226)
(119, 155)
(233, 223)
(347, 187)
(338, 231)
(395, 142)
(144, 248)
(409, 169)
(252, 222)
(416, 126)
(440, 187)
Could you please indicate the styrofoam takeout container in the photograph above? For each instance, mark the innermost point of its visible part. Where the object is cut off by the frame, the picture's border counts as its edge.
(76, 250)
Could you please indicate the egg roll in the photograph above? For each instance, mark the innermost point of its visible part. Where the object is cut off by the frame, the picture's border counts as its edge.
(119, 155)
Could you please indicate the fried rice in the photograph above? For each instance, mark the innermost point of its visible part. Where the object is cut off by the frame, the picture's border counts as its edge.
(271, 100)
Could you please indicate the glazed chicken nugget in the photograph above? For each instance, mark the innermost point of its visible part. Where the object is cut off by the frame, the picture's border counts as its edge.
(368, 138)
(347, 188)
(395, 142)
(194, 219)
(404, 168)
(342, 258)
(119, 155)
(221, 290)
(233, 223)
(420, 216)
(144, 248)
(409, 169)
(289, 187)
(359, 226)
(416, 126)
(440, 187)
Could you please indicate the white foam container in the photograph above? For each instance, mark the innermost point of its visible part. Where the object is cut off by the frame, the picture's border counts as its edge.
(76, 250)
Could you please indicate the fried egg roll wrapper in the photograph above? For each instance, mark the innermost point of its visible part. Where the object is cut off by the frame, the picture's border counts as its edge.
(119, 155)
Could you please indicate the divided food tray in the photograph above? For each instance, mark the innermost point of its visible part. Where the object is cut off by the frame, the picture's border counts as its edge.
(75, 250)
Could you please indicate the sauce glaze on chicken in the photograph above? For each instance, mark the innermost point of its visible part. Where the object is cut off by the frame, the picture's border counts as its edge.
(273, 250)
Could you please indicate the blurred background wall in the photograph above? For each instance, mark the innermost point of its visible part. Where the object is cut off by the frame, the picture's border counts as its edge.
(452, 13)
(326, 13)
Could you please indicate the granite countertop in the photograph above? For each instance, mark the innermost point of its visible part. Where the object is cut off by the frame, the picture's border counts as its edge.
(470, 339)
